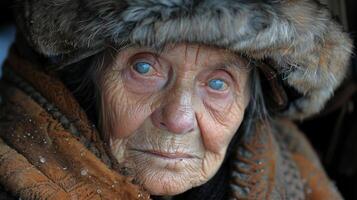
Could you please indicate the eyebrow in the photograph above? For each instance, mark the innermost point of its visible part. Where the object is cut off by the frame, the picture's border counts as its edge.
(234, 63)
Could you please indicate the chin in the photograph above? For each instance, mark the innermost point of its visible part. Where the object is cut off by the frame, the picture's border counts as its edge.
(166, 168)
(166, 183)
(167, 176)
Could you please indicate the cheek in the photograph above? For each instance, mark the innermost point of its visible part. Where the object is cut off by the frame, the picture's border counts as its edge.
(122, 112)
(218, 127)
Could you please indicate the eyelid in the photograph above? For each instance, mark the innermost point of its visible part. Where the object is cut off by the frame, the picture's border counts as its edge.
(220, 74)
(153, 60)
(143, 57)
(152, 72)
(139, 58)
(232, 85)
(233, 77)
(227, 69)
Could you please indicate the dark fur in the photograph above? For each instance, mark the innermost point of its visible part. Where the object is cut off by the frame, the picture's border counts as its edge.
(305, 45)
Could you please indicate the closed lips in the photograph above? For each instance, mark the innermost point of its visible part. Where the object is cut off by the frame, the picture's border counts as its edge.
(176, 155)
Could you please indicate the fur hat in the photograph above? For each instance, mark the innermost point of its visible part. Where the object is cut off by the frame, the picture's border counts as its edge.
(298, 37)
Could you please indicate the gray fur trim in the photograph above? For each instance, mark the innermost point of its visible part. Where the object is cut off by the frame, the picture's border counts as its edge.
(299, 36)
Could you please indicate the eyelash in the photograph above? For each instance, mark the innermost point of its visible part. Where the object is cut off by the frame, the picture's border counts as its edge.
(226, 75)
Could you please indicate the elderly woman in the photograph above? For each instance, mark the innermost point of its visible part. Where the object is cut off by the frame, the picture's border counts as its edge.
(176, 99)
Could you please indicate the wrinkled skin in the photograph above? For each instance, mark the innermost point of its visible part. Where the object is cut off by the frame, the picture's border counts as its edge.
(168, 125)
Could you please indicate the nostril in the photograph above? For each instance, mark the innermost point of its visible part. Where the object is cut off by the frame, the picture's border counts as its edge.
(191, 130)
(162, 124)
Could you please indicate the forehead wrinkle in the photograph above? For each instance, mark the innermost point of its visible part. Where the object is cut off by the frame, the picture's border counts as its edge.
(191, 57)
(197, 53)
(186, 49)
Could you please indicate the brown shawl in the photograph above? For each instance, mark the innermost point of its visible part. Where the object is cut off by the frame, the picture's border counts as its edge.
(49, 150)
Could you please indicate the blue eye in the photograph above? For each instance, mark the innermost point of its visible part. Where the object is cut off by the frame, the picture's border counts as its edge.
(142, 67)
(217, 84)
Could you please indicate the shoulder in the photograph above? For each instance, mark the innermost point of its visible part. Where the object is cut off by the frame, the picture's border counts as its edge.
(294, 139)
(317, 183)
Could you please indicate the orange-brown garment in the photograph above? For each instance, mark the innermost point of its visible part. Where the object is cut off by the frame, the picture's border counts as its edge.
(40, 159)
(318, 185)
(276, 162)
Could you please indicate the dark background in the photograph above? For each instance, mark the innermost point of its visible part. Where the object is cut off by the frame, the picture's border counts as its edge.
(333, 133)
(7, 30)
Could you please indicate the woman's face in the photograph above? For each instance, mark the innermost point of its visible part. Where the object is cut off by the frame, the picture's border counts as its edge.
(171, 115)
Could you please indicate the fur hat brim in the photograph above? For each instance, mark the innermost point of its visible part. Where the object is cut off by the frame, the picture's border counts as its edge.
(306, 47)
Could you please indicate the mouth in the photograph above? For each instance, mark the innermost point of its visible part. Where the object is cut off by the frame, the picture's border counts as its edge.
(167, 155)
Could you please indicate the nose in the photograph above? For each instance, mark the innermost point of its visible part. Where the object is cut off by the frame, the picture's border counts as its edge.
(176, 115)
